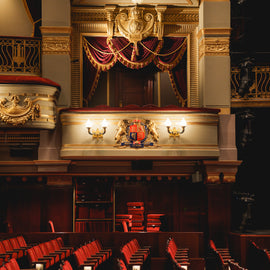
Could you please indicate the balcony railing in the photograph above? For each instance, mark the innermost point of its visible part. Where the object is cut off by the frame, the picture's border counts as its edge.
(20, 55)
(259, 91)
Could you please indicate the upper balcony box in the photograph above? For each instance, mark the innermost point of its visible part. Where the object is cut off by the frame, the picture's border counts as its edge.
(28, 101)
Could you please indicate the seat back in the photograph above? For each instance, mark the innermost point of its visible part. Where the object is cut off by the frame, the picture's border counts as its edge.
(125, 226)
(14, 242)
(12, 265)
(2, 248)
(7, 245)
(80, 258)
(44, 248)
(51, 226)
(32, 255)
(235, 266)
(49, 246)
(257, 258)
(55, 244)
(121, 265)
(66, 266)
(21, 241)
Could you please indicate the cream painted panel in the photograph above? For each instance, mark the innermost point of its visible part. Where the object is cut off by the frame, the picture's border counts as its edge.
(56, 13)
(215, 81)
(14, 20)
(215, 14)
(57, 68)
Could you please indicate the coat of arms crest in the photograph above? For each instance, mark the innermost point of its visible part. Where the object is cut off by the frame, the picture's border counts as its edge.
(136, 133)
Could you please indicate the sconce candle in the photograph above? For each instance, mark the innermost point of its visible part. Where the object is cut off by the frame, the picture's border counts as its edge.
(97, 134)
(176, 130)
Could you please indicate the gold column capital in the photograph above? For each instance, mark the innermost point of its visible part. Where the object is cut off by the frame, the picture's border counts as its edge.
(214, 46)
(56, 45)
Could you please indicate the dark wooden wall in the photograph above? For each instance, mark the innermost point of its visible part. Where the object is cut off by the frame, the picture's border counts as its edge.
(27, 207)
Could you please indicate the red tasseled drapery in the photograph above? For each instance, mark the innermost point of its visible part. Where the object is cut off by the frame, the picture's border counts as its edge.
(101, 54)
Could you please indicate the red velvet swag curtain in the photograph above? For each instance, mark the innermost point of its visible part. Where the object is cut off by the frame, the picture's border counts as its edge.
(101, 54)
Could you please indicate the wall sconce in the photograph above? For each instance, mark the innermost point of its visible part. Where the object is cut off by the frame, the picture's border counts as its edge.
(97, 134)
(176, 130)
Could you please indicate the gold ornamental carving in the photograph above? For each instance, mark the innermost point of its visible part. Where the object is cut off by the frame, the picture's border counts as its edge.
(134, 24)
(12, 113)
(214, 47)
(56, 45)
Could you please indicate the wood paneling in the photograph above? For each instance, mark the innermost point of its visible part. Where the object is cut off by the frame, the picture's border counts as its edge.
(29, 206)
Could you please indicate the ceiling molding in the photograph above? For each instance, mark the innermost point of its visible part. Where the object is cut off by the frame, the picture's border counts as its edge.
(181, 3)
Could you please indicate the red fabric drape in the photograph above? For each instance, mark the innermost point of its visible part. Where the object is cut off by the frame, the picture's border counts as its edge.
(166, 54)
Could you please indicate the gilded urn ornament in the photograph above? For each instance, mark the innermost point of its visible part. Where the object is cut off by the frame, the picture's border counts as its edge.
(12, 113)
(134, 24)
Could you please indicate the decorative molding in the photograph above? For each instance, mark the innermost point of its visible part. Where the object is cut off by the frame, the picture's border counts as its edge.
(14, 114)
(214, 47)
(214, 32)
(182, 16)
(56, 45)
(55, 30)
(193, 98)
(218, 172)
(168, 16)
(192, 3)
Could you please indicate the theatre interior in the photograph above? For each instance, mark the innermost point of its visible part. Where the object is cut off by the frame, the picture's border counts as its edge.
(134, 135)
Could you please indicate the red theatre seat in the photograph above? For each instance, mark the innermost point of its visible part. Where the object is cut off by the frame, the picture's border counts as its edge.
(178, 256)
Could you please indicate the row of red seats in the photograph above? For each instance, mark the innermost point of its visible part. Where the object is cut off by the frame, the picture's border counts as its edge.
(223, 253)
(258, 257)
(235, 266)
(133, 254)
(12, 248)
(218, 258)
(178, 256)
(10, 265)
(92, 255)
(221, 258)
(48, 253)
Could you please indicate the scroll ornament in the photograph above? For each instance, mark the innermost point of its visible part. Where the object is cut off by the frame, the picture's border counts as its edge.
(12, 113)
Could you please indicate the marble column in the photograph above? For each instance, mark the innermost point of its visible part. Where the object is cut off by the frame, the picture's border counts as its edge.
(215, 69)
(215, 92)
(56, 65)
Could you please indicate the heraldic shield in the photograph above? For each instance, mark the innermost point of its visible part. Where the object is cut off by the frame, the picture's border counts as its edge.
(137, 132)
(134, 133)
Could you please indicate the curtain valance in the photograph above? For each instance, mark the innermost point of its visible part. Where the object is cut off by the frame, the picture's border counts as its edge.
(102, 54)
